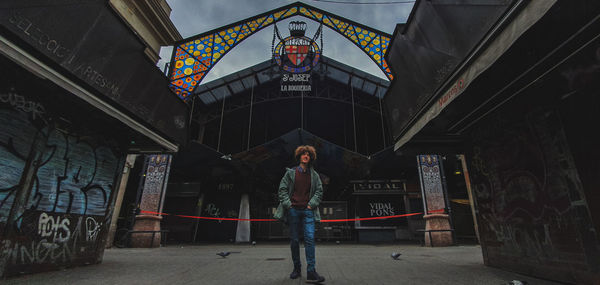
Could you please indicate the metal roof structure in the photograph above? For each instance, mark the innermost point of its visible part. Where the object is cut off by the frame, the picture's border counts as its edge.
(268, 71)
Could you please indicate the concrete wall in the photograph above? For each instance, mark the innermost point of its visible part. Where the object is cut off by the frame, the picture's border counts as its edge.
(56, 187)
(150, 21)
(532, 210)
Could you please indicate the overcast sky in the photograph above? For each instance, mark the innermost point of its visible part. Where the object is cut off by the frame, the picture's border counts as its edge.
(193, 17)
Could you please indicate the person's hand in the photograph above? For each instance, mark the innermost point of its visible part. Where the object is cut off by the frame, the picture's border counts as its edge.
(308, 207)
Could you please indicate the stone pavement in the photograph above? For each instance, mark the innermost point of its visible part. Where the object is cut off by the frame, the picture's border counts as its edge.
(271, 264)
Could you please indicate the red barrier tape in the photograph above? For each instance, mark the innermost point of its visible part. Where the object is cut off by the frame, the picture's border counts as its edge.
(274, 220)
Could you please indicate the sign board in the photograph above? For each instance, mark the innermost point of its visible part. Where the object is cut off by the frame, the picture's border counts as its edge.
(432, 189)
(297, 55)
(296, 82)
(379, 186)
(380, 206)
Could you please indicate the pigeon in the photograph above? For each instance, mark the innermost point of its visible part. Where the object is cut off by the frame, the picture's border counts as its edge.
(223, 254)
(396, 255)
(253, 242)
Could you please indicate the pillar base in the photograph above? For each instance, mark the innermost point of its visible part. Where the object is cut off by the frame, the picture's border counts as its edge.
(436, 222)
(146, 223)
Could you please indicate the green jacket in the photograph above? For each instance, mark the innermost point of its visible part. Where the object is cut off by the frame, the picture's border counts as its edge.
(286, 188)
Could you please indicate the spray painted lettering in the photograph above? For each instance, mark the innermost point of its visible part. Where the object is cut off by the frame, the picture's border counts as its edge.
(20, 103)
(92, 229)
(212, 210)
(36, 252)
(55, 228)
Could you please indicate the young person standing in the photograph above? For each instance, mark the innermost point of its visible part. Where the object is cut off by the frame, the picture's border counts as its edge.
(300, 193)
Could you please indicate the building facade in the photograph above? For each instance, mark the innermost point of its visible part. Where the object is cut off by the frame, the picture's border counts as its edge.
(78, 93)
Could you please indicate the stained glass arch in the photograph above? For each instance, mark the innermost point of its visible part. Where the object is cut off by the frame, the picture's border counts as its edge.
(195, 56)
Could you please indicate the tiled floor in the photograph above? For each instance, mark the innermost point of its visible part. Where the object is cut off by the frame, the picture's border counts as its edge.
(271, 264)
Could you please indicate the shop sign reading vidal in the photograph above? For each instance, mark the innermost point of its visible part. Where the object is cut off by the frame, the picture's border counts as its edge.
(378, 185)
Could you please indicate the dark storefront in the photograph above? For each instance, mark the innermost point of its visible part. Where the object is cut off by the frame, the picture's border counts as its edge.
(73, 102)
(379, 198)
(519, 108)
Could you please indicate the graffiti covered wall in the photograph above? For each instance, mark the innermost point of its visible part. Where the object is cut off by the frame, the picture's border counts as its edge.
(56, 187)
(532, 212)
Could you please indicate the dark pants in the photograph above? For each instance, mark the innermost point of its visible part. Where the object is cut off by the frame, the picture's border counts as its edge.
(305, 218)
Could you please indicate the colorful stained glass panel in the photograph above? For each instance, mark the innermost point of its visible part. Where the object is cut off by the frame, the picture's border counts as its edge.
(183, 94)
(305, 12)
(318, 16)
(185, 65)
(291, 12)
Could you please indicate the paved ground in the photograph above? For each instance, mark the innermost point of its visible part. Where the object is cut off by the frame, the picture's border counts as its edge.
(271, 264)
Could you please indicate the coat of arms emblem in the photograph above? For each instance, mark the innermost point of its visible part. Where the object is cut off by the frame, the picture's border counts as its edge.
(297, 53)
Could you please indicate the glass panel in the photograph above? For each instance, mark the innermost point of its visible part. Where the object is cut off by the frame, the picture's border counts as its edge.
(214, 83)
(220, 92)
(236, 86)
(357, 82)
(245, 72)
(201, 89)
(381, 91)
(268, 75)
(369, 88)
(249, 81)
(338, 75)
(206, 98)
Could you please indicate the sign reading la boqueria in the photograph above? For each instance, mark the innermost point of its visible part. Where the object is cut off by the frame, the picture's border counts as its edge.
(297, 55)
(296, 82)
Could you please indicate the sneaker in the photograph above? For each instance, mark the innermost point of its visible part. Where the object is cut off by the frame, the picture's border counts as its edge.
(295, 274)
(314, 277)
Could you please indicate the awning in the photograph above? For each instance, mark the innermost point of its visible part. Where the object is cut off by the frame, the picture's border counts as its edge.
(493, 46)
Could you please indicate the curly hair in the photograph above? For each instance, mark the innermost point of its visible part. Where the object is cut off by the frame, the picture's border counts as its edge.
(303, 149)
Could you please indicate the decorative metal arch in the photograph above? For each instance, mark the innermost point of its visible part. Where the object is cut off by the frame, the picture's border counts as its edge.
(194, 57)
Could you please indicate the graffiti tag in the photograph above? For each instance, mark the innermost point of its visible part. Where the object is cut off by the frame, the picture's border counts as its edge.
(92, 229)
(36, 252)
(55, 228)
(20, 103)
